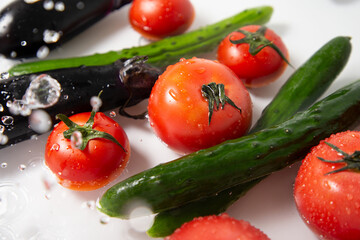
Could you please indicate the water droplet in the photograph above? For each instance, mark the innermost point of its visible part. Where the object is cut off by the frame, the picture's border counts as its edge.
(76, 139)
(40, 121)
(7, 120)
(90, 204)
(51, 36)
(95, 103)
(55, 147)
(4, 165)
(48, 5)
(349, 196)
(66, 97)
(4, 75)
(22, 167)
(104, 220)
(112, 114)
(3, 139)
(59, 6)
(23, 43)
(42, 52)
(13, 54)
(80, 5)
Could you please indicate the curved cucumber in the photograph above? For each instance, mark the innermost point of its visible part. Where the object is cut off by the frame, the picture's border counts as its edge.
(237, 161)
(163, 52)
(307, 83)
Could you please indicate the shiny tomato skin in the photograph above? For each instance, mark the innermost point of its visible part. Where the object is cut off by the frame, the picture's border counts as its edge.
(95, 166)
(256, 71)
(157, 19)
(217, 227)
(179, 114)
(330, 204)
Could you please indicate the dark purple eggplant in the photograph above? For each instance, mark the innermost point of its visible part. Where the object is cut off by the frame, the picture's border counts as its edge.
(68, 91)
(30, 28)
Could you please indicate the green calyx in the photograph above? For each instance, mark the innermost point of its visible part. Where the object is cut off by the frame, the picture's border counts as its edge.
(352, 161)
(257, 41)
(215, 95)
(83, 134)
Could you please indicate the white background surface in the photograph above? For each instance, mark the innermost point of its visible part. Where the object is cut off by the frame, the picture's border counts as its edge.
(58, 213)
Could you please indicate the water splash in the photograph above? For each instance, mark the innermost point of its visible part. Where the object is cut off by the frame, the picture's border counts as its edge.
(95, 103)
(43, 92)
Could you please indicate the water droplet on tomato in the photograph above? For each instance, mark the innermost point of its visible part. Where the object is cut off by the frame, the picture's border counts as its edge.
(200, 70)
(76, 139)
(55, 147)
(173, 94)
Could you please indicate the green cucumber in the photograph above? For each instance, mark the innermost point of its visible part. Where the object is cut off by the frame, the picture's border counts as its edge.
(307, 83)
(209, 171)
(161, 53)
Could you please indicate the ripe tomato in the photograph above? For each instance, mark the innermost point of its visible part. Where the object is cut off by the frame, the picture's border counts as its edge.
(99, 163)
(329, 202)
(156, 19)
(217, 227)
(179, 113)
(255, 70)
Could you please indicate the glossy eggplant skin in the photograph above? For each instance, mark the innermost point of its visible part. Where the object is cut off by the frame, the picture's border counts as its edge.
(123, 82)
(30, 29)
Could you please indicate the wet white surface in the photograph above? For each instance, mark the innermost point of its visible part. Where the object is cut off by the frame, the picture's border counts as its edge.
(33, 206)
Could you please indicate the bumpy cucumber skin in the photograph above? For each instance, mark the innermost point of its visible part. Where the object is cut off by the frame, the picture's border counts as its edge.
(307, 83)
(161, 53)
(209, 171)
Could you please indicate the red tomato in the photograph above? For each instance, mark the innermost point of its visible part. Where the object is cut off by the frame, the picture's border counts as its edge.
(156, 19)
(255, 70)
(179, 113)
(329, 203)
(216, 227)
(99, 163)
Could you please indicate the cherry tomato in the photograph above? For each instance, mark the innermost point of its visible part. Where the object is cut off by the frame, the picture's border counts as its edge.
(100, 162)
(327, 194)
(156, 19)
(255, 70)
(217, 227)
(179, 113)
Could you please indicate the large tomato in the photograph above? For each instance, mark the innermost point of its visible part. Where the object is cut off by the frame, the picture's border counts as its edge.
(256, 69)
(327, 193)
(101, 160)
(180, 114)
(156, 19)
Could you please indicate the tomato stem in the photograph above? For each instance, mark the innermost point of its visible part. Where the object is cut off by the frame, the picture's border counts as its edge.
(87, 132)
(215, 95)
(352, 160)
(257, 41)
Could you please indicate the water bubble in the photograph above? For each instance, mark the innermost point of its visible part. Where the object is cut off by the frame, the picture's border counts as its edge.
(80, 5)
(13, 202)
(59, 6)
(3, 165)
(40, 121)
(4, 75)
(42, 52)
(7, 120)
(23, 43)
(95, 103)
(48, 5)
(76, 139)
(51, 36)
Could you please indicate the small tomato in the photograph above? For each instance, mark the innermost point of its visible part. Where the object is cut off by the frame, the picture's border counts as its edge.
(255, 53)
(156, 19)
(101, 160)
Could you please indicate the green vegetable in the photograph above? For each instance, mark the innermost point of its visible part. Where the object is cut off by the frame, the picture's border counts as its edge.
(303, 88)
(164, 52)
(209, 171)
